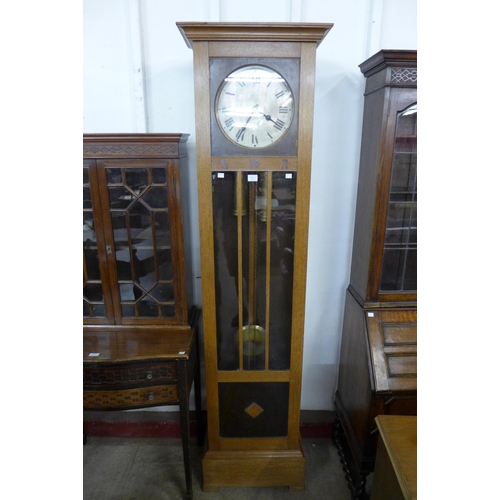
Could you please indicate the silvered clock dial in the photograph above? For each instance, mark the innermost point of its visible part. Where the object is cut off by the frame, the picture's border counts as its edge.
(254, 107)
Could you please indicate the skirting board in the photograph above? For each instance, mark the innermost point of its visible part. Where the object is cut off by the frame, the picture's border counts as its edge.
(162, 424)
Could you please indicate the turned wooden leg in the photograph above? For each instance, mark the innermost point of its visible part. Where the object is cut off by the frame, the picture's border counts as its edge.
(356, 482)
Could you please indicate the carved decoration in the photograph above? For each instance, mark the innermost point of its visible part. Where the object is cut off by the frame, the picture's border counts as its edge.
(131, 149)
(404, 75)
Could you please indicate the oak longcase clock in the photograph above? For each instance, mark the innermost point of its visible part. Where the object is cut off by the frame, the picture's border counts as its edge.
(254, 92)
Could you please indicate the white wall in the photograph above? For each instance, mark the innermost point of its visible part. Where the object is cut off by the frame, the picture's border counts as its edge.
(138, 77)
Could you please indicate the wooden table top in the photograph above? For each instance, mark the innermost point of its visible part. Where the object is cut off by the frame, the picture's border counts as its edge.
(111, 345)
(399, 434)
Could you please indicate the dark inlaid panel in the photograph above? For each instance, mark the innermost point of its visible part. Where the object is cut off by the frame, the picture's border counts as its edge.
(253, 409)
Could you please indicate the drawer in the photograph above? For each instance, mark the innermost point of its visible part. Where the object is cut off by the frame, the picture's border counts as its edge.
(127, 374)
(129, 398)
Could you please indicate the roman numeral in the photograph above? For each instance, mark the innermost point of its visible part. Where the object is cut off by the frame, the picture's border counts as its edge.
(229, 93)
(254, 140)
(283, 109)
(229, 123)
(279, 124)
(240, 134)
(241, 84)
(280, 94)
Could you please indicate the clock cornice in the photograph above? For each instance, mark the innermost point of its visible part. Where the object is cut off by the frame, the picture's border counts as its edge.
(264, 32)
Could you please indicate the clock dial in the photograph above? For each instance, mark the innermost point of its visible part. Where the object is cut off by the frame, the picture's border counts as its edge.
(254, 107)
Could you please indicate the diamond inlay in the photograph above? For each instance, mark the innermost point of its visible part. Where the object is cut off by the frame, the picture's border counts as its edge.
(254, 410)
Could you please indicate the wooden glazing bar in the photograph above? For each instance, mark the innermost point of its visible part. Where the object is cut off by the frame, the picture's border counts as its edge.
(252, 294)
(85, 272)
(254, 376)
(102, 184)
(268, 261)
(155, 246)
(239, 209)
(130, 248)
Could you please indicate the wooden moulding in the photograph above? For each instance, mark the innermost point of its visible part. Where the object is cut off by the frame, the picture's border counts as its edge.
(253, 468)
(388, 58)
(254, 164)
(289, 32)
(134, 145)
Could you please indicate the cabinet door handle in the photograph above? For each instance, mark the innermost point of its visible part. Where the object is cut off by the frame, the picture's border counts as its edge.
(149, 375)
(151, 396)
(108, 249)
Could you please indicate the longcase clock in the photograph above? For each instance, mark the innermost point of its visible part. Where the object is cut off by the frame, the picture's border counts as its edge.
(254, 93)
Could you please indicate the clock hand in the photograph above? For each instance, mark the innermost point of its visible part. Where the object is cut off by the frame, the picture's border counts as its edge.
(251, 116)
(268, 118)
(279, 124)
(241, 133)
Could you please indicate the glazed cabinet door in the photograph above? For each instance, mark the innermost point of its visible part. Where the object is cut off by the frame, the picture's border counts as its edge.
(140, 239)
(395, 271)
(97, 303)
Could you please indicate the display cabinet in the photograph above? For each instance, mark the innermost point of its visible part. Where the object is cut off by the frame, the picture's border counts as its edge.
(140, 326)
(378, 359)
(254, 95)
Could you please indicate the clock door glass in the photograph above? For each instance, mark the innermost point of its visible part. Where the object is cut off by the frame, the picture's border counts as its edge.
(254, 232)
(254, 107)
(399, 262)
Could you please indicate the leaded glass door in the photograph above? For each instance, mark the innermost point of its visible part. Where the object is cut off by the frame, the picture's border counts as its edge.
(138, 217)
(97, 304)
(399, 260)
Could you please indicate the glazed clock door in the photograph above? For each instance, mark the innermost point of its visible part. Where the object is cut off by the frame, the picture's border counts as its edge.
(138, 219)
(254, 232)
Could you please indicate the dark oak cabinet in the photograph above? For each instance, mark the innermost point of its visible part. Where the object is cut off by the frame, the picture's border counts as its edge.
(378, 360)
(140, 326)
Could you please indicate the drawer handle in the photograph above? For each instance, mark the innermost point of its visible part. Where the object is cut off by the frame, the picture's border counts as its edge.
(151, 396)
(149, 375)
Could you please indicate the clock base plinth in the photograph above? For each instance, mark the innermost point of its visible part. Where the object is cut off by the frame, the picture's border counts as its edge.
(223, 468)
